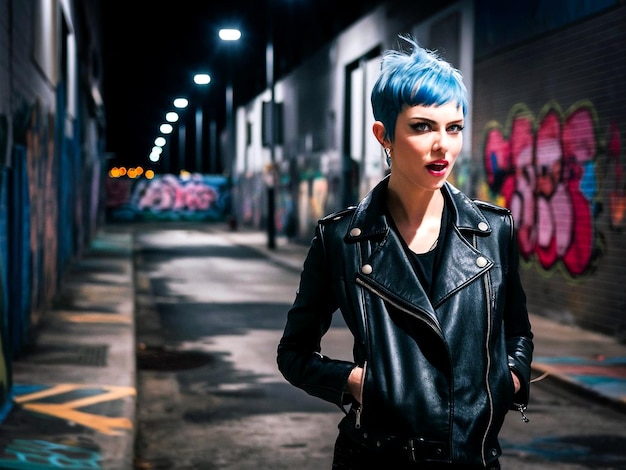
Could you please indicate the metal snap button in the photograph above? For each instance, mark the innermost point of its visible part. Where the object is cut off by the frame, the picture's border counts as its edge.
(483, 226)
(481, 262)
(366, 269)
(355, 232)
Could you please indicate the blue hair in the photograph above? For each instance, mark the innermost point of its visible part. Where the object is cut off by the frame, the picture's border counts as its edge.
(420, 77)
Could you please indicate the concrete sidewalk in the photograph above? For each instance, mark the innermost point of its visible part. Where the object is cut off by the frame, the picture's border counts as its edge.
(75, 393)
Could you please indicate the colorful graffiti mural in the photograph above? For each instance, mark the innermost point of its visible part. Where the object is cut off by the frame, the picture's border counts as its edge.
(546, 170)
(42, 186)
(29, 454)
(29, 217)
(189, 197)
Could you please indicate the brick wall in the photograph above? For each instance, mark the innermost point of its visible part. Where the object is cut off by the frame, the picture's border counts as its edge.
(549, 131)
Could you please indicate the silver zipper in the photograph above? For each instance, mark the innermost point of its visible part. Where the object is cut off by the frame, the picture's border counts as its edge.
(424, 318)
(521, 408)
(489, 394)
(429, 322)
(359, 410)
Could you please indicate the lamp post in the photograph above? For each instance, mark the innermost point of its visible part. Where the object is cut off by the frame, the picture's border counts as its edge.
(269, 73)
(181, 103)
(171, 117)
(200, 79)
(230, 35)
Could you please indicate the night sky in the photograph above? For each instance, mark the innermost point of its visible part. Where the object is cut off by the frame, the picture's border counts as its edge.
(152, 50)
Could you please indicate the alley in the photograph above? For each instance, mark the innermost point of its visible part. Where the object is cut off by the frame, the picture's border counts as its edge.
(199, 293)
(210, 311)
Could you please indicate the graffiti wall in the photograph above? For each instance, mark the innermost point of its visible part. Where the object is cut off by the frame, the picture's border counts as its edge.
(28, 246)
(549, 132)
(51, 152)
(186, 197)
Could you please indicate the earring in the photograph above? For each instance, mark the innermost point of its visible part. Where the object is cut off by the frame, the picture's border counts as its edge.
(388, 156)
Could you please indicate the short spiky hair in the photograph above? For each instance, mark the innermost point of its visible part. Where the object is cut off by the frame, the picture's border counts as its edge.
(420, 77)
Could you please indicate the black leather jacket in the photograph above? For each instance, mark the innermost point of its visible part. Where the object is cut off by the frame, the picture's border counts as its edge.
(437, 371)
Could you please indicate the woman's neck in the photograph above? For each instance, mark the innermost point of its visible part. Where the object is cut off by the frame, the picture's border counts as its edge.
(418, 217)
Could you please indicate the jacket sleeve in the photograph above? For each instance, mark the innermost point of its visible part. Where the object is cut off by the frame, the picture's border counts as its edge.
(299, 355)
(519, 337)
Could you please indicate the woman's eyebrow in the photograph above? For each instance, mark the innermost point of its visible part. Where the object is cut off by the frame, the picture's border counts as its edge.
(431, 121)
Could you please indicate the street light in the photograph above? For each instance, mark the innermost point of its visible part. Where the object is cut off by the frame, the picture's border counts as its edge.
(202, 79)
(230, 35)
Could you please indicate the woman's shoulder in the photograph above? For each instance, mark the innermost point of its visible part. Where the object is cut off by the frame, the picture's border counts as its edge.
(485, 207)
(490, 206)
(337, 215)
(498, 217)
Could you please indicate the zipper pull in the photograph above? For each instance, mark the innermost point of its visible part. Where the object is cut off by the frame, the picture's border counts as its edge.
(521, 409)
(357, 423)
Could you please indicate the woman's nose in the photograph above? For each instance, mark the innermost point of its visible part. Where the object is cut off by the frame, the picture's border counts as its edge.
(441, 142)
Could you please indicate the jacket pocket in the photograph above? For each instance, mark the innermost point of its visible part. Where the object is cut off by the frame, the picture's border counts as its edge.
(359, 409)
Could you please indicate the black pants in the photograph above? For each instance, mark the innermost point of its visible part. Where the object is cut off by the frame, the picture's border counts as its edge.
(352, 456)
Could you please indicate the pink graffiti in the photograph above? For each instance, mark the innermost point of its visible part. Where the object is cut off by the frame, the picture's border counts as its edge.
(545, 175)
(172, 193)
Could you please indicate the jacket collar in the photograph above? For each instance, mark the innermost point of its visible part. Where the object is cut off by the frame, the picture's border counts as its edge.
(369, 221)
(460, 262)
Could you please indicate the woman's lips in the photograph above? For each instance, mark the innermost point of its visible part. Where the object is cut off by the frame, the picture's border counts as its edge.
(437, 167)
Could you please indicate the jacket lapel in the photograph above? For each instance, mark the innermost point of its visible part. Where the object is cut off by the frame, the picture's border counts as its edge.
(392, 271)
(460, 264)
(385, 266)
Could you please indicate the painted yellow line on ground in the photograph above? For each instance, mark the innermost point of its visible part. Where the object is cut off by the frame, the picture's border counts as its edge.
(104, 424)
(69, 410)
(96, 318)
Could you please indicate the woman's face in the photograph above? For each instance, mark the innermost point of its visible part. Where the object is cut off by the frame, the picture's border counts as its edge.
(426, 143)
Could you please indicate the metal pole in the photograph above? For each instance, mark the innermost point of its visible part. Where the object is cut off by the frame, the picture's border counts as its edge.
(213, 143)
(230, 143)
(228, 34)
(181, 148)
(198, 137)
(269, 70)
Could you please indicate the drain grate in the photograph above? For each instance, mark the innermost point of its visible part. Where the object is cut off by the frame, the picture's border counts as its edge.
(78, 354)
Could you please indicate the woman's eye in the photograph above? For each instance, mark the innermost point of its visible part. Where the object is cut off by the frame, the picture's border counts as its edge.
(455, 128)
(421, 127)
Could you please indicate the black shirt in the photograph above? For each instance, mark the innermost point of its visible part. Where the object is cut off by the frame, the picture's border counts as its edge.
(425, 264)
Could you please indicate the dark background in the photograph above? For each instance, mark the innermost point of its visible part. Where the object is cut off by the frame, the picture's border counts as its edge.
(153, 48)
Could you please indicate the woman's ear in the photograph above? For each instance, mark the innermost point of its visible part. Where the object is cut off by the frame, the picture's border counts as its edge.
(379, 132)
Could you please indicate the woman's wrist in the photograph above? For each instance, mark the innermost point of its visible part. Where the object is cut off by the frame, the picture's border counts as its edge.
(353, 384)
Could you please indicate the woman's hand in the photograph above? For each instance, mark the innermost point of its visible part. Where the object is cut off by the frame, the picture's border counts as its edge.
(354, 383)
(516, 383)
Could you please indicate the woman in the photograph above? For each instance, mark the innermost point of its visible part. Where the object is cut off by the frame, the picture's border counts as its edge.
(427, 282)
